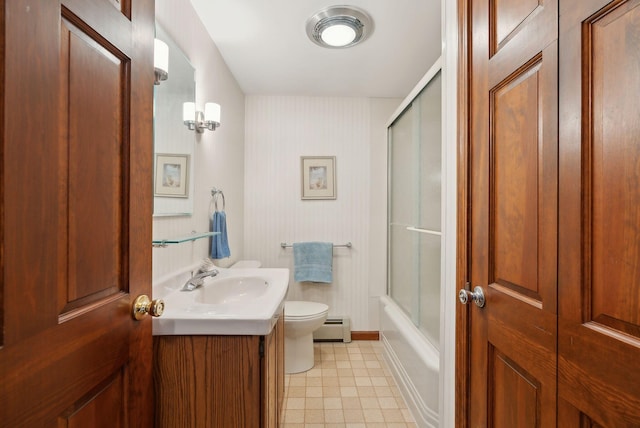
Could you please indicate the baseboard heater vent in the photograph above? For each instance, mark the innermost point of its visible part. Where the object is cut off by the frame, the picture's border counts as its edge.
(337, 329)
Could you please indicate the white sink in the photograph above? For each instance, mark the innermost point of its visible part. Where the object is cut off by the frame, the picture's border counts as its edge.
(232, 290)
(235, 302)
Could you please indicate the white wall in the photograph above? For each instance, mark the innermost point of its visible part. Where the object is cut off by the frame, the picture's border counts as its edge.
(280, 129)
(219, 155)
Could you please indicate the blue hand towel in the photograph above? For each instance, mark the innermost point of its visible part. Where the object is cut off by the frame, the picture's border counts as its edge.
(313, 261)
(219, 243)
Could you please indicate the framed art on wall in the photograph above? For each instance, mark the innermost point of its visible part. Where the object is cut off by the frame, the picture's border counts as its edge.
(318, 177)
(172, 175)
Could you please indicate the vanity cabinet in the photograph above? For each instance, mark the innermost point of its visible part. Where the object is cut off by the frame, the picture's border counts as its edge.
(219, 381)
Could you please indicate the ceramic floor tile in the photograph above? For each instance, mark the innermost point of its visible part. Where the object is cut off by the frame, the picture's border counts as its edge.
(349, 386)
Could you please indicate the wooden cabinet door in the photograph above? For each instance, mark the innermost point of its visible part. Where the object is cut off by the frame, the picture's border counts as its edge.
(273, 375)
(513, 212)
(599, 223)
(75, 210)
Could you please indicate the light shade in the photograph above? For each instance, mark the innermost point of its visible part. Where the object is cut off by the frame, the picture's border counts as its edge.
(338, 35)
(212, 112)
(188, 112)
(339, 27)
(160, 60)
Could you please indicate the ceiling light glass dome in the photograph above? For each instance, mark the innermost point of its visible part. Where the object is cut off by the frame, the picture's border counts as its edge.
(339, 26)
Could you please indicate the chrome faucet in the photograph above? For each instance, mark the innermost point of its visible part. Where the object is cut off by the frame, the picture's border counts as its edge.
(198, 279)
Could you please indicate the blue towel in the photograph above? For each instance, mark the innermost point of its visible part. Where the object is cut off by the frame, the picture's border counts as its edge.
(219, 243)
(313, 261)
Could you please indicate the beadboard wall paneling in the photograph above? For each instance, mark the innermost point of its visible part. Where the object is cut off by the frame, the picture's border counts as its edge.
(218, 156)
(281, 129)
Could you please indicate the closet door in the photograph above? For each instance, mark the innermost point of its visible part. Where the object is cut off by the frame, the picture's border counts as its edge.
(599, 222)
(513, 213)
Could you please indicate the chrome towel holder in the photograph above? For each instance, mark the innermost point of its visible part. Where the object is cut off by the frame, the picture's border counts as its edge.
(215, 194)
(347, 245)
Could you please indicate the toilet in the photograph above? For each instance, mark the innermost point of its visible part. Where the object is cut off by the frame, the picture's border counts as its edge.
(301, 319)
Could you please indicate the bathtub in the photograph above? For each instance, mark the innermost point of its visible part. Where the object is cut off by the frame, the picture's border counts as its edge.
(413, 361)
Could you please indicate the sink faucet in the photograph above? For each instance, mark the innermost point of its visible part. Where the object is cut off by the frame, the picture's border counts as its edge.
(198, 279)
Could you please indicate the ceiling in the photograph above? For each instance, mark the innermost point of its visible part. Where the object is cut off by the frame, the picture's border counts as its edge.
(266, 48)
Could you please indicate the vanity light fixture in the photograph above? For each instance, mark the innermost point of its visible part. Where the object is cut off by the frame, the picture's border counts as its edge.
(198, 121)
(339, 27)
(160, 61)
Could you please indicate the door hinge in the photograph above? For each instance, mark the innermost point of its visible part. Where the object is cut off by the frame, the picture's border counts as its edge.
(261, 347)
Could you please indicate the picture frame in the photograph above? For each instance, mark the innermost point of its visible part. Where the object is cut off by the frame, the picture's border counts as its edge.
(318, 177)
(172, 175)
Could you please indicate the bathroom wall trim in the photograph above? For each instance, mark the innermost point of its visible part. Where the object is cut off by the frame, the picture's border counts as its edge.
(365, 335)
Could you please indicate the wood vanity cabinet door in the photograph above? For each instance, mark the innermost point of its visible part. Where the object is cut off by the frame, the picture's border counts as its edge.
(280, 372)
(270, 382)
(219, 381)
(207, 381)
(273, 376)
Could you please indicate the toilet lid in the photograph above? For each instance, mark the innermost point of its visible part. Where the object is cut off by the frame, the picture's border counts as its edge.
(296, 309)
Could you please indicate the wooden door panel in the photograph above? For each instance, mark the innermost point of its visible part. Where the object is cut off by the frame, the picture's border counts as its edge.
(599, 326)
(508, 16)
(513, 159)
(76, 210)
(50, 362)
(615, 179)
(516, 395)
(101, 408)
(95, 158)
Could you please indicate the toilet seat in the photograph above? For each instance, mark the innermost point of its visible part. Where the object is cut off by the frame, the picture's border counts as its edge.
(299, 310)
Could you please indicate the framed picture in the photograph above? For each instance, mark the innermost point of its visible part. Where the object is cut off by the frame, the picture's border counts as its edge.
(172, 175)
(318, 177)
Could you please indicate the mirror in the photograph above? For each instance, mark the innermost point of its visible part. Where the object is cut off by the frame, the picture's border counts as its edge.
(174, 143)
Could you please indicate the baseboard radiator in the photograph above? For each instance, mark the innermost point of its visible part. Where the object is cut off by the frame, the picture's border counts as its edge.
(334, 329)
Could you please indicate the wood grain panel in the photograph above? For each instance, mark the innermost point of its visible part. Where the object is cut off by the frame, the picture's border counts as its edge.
(515, 401)
(63, 79)
(279, 332)
(512, 214)
(604, 383)
(269, 385)
(101, 408)
(515, 122)
(96, 82)
(598, 335)
(615, 55)
(207, 381)
(507, 16)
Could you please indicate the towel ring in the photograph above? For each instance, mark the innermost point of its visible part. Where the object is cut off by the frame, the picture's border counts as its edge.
(214, 194)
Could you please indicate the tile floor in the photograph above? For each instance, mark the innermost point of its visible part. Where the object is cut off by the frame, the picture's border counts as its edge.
(350, 386)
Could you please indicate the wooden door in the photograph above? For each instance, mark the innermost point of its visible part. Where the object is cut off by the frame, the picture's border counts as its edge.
(75, 210)
(599, 223)
(513, 212)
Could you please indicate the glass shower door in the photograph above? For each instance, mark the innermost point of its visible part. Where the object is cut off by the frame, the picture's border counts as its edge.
(415, 192)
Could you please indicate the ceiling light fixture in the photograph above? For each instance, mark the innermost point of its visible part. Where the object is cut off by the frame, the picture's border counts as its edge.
(339, 26)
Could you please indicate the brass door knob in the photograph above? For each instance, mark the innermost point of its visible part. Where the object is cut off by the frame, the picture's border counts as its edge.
(143, 306)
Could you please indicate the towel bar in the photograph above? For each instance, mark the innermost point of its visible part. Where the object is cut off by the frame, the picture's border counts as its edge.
(348, 245)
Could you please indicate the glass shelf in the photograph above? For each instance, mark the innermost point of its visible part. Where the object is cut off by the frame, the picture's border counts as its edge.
(161, 243)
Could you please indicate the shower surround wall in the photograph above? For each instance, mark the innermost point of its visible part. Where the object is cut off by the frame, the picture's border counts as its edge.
(281, 129)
